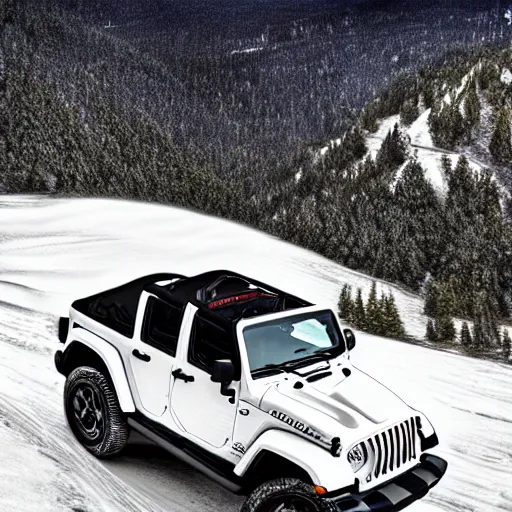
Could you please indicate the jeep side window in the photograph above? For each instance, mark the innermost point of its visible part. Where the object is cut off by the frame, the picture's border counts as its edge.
(161, 327)
(208, 342)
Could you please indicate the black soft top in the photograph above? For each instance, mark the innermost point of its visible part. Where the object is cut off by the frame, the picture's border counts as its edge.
(223, 296)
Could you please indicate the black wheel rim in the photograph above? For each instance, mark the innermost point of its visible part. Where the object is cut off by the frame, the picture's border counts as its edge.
(88, 412)
(290, 504)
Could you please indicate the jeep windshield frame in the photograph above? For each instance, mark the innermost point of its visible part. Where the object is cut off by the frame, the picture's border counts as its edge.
(292, 341)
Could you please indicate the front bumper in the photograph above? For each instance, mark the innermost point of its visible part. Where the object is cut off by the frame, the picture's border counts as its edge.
(398, 493)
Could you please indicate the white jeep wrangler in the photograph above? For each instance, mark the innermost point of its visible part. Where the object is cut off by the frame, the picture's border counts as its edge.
(250, 385)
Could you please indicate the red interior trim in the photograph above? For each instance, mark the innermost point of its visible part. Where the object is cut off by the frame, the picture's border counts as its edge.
(237, 298)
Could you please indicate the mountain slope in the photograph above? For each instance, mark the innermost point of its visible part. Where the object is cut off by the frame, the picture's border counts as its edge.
(456, 107)
(100, 117)
(53, 251)
(417, 191)
(181, 67)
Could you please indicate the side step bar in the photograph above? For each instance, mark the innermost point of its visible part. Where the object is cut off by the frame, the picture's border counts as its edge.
(183, 455)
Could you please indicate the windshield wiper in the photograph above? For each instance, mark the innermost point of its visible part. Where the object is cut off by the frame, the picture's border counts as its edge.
(304, 361)
(287, 366)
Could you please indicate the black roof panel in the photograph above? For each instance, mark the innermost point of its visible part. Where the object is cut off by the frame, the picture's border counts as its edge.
(198, 291)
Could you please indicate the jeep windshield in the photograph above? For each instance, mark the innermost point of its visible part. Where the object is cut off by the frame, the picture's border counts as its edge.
(293, 341)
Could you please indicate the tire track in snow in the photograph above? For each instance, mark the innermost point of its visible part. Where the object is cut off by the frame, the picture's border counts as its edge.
(31, 410)
(142, 479)
(39, 428)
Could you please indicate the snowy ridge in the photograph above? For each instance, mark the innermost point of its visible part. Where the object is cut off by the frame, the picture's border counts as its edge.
(33, 430)
(422, 149)
(456, 95)
(54, 251)
(421, 146)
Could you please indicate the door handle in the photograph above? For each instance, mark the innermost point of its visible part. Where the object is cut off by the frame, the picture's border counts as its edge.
(141, 355)
(178, 374)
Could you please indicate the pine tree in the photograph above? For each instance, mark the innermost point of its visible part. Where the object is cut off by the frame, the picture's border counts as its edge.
(359, 311)
(345, 304)
(471, 110)
(409, 111)
(485, 331)
(373, 312)
(431, 333)
(465, 336)
(441, 299)
(507, 345)
(385, 323)
(478, 333)
(393, 151)
(429, 95)
(355, 143)
(490, 326)
(394, 325)
(369, 119)
(445, 329)
(456, 125)
(448, 303)
(500, 146)
(446, 166)
(431, 299)
(461, 184)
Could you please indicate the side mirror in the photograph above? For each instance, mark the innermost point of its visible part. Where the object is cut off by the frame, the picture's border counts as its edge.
(222, 371)
(350, 338)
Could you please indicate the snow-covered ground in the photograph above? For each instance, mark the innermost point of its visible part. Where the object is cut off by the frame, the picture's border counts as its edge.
(422, 148)
(53, 251)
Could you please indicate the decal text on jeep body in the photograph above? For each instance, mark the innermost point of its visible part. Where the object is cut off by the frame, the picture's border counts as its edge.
(302, 427)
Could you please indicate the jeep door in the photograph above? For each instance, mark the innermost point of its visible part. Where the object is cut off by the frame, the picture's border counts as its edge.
(154, 351)
(198, 405)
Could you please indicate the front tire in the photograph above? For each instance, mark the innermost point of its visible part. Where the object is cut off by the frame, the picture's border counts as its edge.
(93, 412)
(286, 495)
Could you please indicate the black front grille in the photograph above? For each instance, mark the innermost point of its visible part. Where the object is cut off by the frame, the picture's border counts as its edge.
(392, 448)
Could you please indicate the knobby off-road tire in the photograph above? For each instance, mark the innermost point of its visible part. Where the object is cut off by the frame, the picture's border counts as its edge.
(286, 495)
(93, 412)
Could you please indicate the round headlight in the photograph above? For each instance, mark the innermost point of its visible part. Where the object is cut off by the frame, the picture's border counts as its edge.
(357, 457)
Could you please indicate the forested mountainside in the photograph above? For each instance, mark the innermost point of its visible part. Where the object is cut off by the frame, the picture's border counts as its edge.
(239, 133)
(65, 125)
(417, 191)
(246, 86)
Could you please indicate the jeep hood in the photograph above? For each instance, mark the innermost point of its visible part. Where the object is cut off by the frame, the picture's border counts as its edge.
(356, 401)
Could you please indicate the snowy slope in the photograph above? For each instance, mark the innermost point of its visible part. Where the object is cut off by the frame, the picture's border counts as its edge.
(53, 251)
(421, 147)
